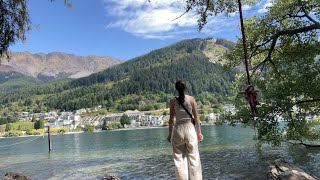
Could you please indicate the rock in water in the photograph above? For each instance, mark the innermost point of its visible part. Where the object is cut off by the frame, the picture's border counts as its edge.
(15, 176)
(110, 177)
(282, 170)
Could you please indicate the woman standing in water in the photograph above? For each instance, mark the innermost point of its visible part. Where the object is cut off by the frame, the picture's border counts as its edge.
(185, 135)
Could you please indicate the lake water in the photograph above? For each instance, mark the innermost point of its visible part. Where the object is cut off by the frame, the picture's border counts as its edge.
(226, 153)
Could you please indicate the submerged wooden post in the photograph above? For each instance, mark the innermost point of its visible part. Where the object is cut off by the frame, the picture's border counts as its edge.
(49, 138)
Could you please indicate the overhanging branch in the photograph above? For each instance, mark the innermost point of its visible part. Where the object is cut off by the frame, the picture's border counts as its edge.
(275, 38)
(306, 101)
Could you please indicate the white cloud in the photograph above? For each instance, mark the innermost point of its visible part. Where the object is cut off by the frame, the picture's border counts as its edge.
(157, 19)
(265, 7)
(246, 7)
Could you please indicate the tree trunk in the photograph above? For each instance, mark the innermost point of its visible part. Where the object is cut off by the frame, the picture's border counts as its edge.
(282, 170)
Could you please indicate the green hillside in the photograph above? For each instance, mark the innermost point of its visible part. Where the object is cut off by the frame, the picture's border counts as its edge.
(12, 80)
(144, 83)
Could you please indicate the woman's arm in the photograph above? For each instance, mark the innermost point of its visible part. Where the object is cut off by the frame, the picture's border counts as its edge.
(196, 118)
(171, 119)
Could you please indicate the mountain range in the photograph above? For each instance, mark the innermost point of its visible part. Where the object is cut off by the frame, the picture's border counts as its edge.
(145, 82)
(24, 68)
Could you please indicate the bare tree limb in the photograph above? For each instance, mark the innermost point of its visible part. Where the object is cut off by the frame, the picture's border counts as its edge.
(185, 12)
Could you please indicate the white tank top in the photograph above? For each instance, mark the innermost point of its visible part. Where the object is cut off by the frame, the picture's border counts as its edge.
(181, 115)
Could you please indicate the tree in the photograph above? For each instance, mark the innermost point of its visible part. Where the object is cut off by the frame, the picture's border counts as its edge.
(15, 22)
(114, 125)
(283, 48)
(124, 120)
(28, 102)
(104, 125)
(33, 118)
(207, 8)
(8, 127)
(283, 55)
(39, 124)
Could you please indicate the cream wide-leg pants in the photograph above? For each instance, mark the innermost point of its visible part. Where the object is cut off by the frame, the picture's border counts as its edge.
(185, 152)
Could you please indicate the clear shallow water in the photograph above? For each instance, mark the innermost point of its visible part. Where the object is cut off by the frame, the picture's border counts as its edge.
(226, 153)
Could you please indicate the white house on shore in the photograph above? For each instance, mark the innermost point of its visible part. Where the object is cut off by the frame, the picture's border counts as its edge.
(229, 108)
(68, 121)
(150, 120)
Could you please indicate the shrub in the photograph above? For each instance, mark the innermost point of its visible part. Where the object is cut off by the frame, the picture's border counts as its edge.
(36, 132)
(63, 130)
(24, 126)
(89, 128)
(77, 130)
(114, 125)
(54, 130)
(13, 133)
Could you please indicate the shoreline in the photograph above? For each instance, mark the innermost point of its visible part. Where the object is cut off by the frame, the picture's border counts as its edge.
(78, 132)
(137, 128)
(42, 135)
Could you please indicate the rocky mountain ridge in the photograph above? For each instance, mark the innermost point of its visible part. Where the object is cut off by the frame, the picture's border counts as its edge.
(56, 65)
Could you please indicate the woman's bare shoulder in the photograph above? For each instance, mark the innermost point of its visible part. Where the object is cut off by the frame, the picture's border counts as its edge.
(191, 97)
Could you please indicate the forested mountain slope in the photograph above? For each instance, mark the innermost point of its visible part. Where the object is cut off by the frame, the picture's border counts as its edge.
(145, 82)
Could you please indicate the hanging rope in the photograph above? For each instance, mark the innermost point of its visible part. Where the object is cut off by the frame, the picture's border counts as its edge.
(26, 141)
(250, 93)
(244, 44)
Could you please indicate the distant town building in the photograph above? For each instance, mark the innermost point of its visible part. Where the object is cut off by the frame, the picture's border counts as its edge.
(229, 108)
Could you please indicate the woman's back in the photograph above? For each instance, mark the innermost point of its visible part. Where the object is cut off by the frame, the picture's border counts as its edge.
(184, 136)
(181, 115)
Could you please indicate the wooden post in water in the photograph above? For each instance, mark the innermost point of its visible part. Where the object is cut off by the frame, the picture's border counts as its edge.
(49, 138)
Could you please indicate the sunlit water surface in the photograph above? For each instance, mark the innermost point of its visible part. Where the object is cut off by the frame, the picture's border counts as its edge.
(226, 153)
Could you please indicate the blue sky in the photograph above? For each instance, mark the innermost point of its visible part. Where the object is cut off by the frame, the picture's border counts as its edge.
(122, 29)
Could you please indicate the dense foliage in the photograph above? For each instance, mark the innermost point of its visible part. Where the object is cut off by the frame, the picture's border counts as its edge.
(125, 120)
(283, 47)
(39, 124)
(283, 51)
(114, 125)
(15, 22)
(11, 81)
(89, 128)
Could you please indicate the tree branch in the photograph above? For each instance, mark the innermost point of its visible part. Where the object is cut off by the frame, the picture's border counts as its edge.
(275, 67)
(187, 10)
(257, 66)
(302, 143)
(258, 46)
(306, 101)
(309, 17)
(309, 145)
(275, 37)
